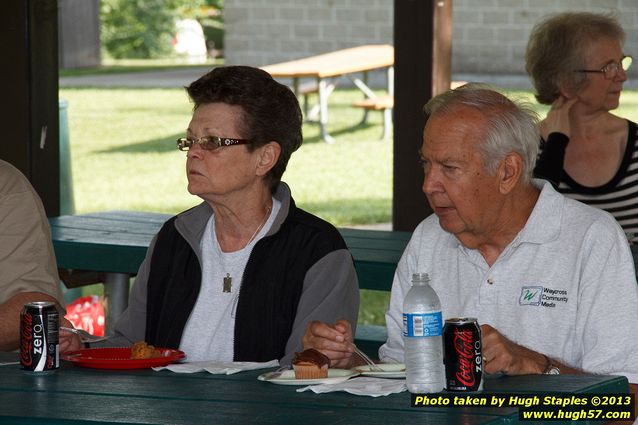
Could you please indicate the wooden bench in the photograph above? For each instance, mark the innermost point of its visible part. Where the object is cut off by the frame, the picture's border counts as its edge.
(384, 104)
(113, 245)
(376, 254)
(306, 90)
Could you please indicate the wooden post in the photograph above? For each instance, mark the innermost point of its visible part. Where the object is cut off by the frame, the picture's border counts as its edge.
(422, 58)
(29, 87)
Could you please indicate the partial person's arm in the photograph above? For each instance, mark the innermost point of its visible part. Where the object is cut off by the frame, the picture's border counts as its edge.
(500, 355)
(68, 340)
(10, 317)
(333, 340)
(27, 262)
(555, 131)
(549, 165)
(330, 293)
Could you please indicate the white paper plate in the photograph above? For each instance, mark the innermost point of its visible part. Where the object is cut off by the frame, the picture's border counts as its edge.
(287, 377)
(389, 370)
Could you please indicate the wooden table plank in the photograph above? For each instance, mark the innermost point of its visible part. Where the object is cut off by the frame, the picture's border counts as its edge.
(332, 64)
(158, 410)
(327, 68)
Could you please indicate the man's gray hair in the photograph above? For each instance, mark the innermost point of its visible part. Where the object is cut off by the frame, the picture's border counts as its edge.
(510, 126)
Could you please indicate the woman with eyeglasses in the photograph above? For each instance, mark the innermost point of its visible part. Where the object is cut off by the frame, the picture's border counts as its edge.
(577, 65)
(239, 276)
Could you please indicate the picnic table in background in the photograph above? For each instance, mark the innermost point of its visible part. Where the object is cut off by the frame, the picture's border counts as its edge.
(327, 68)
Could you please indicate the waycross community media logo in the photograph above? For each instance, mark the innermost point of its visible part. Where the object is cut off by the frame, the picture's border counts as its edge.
(530, 295)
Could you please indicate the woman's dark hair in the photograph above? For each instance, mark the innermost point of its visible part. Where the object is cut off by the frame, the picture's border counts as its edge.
(270, 110)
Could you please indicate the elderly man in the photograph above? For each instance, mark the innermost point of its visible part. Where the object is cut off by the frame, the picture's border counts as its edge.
(551, 280)
(27, 262)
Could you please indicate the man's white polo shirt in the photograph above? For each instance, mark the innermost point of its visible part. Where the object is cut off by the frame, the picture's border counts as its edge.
(565, 286)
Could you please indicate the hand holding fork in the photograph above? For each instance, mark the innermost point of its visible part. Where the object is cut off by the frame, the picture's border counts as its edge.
(373, 366)
(85, 337)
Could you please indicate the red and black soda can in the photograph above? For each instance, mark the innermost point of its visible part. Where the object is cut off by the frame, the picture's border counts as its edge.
(463, 356)
(39, 337)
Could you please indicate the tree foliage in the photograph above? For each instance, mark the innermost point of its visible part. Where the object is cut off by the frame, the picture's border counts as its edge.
(138, 28)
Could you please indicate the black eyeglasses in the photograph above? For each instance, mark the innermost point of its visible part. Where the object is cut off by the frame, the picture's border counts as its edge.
(209, 143)
(610, 71)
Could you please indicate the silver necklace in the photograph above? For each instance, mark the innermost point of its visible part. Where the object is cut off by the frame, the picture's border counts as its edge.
(227, 282)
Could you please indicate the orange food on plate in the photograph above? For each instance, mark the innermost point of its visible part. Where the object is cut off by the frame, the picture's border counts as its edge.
(142, 350)
(310, 364)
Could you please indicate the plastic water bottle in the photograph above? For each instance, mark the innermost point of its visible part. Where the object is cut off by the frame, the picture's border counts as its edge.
(422, 337)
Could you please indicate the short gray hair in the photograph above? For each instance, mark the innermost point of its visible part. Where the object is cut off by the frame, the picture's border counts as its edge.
(556, 48)
(509, 126)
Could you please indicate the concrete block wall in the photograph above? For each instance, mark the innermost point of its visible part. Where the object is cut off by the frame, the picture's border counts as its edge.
(489, 36)
(260, 32)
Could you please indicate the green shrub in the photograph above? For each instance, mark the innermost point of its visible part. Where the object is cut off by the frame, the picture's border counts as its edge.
(139, 29)
(144, 29)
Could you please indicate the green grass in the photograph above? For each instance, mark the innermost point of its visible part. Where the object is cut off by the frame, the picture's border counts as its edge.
(119, 66)
(124, 157)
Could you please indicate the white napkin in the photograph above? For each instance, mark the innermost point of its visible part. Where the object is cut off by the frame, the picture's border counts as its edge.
(373, 387)
(216, 367)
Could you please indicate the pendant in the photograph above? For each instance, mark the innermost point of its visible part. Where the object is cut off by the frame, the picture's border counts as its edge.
(228, 283)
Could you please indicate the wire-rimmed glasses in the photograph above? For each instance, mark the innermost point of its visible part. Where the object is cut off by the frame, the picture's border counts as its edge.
(209, 143)
(610, 71)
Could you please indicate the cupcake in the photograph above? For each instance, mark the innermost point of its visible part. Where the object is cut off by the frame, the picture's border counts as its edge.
(310, 364)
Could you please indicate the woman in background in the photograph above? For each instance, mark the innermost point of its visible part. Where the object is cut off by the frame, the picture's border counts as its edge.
(577, 64)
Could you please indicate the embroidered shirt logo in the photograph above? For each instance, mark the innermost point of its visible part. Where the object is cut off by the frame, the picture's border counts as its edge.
(541, 296)
(530, 295)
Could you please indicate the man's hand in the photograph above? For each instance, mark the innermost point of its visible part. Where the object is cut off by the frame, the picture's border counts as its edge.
(335, 341)
(557, 119)
(503, 356)
(68, 340)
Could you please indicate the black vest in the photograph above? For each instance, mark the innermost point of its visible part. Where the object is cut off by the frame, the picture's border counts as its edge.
(270, 290)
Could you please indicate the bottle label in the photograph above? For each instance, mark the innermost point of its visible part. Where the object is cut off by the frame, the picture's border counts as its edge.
(423, 325)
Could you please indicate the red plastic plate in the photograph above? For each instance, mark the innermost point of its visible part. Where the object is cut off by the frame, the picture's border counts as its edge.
(119, 358)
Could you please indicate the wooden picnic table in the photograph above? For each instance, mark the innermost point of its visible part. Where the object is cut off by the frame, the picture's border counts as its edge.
(327, 68)
(75, 395)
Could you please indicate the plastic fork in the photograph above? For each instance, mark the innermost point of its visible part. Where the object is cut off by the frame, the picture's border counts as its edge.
(368, 360)
(85, 337)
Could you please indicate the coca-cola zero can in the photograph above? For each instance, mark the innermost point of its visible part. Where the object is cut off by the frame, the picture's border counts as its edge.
(39, 337)
(463, 356)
